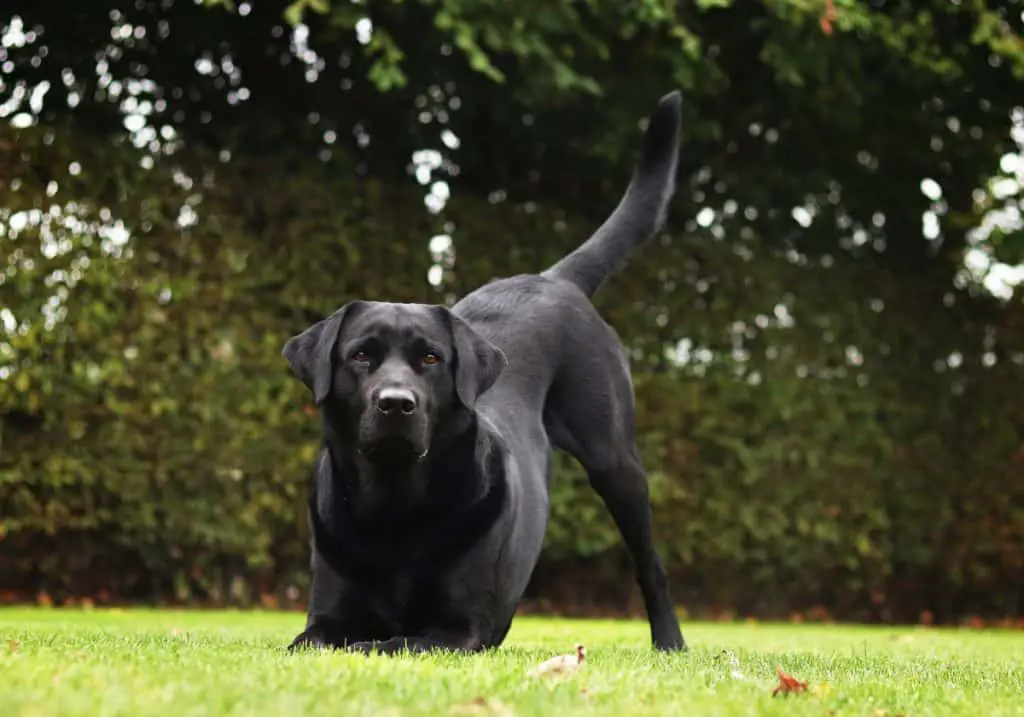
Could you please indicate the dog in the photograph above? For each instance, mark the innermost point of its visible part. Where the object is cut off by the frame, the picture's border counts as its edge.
(430, 494)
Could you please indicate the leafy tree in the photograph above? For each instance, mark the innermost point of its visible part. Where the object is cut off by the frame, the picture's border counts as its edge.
(828, 400)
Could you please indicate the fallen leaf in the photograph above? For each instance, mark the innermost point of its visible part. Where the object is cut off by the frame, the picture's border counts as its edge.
(788, 683)
(12, 645)
(560, 665)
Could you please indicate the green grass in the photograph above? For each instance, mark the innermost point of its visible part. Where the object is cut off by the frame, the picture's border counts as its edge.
(140, 662)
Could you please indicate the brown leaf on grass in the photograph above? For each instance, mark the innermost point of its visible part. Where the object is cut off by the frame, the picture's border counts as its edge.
(563, 664)
(788, 683)
(482, 705)
(12, 645)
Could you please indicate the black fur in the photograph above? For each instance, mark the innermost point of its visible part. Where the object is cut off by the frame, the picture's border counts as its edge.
(427, 521)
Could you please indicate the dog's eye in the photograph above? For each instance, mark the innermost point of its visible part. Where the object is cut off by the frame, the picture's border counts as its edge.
(361, 357)
(430, 358)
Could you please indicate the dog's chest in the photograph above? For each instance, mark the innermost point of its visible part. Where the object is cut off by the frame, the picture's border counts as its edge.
(407, 602)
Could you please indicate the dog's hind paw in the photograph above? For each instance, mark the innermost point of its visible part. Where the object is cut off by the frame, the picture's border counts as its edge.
(671, 644)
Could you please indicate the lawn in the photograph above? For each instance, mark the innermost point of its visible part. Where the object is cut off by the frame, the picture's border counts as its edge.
(141, 662)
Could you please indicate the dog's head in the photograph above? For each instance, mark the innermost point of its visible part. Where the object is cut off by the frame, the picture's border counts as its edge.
(389, 377)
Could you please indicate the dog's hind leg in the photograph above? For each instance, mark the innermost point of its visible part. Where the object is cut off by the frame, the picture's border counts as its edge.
(590, 416)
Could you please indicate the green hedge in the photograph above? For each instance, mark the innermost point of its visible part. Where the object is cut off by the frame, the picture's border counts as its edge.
(153, 445)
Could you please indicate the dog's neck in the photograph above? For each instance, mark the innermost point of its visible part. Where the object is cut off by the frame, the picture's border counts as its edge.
(371, 491)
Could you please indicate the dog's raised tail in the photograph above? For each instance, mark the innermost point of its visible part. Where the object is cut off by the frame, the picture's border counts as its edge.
(641, 211)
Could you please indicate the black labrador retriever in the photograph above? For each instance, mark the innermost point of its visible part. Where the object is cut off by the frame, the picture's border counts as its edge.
(430, 495)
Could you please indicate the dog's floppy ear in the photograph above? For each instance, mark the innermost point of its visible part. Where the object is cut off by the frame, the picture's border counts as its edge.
(478, 362)
(310, 354)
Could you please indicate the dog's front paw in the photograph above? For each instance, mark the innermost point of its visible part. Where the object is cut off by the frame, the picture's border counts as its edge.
(310, 639)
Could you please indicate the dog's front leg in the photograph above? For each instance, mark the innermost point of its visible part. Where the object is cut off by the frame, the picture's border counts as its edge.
(439, 642)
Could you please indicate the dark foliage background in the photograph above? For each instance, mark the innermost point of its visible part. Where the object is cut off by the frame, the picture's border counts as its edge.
(830, 390)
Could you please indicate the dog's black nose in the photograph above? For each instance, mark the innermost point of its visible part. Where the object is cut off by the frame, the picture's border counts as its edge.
(393, 400)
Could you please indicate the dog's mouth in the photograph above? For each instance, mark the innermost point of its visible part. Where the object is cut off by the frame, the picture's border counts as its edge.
(393, 451)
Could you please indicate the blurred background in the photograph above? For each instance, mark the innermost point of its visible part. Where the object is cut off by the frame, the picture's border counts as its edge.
(827, 338)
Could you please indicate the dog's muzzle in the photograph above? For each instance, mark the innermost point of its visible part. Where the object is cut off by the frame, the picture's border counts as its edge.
(394, 427)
